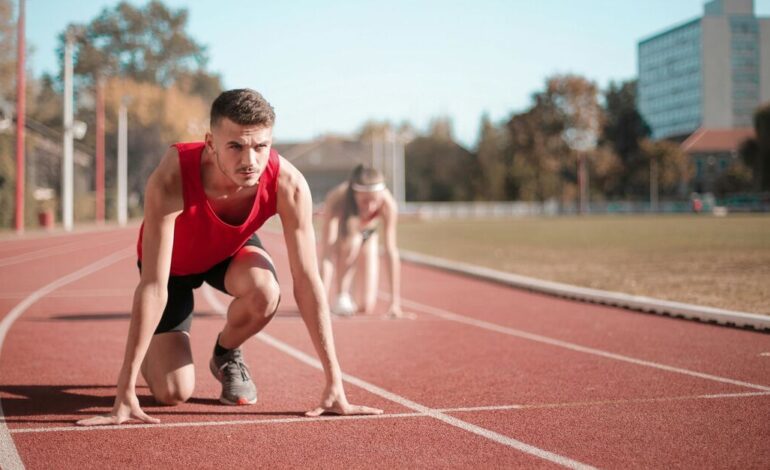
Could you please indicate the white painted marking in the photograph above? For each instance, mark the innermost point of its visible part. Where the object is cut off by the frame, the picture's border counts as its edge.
(585, 294)
(9, 455)
(195, 424)
(74, 293)
(51, 251)
(447, 315)
(604, 402)
(129, 427)
(451, 420)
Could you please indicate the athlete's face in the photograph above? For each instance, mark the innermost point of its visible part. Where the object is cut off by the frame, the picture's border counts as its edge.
(368, 202)
(240, 152)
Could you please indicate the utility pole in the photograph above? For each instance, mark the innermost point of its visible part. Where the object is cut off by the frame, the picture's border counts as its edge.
(122, 163)
(67, 161)
(582, 183)
(21, 101)
(654, 184)
(99, 167)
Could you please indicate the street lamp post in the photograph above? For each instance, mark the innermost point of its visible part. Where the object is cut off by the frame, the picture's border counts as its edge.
(21, 94)
(67, 160)
(123, 162)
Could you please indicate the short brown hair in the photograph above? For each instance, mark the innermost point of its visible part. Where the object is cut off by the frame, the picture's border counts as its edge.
(243, 106)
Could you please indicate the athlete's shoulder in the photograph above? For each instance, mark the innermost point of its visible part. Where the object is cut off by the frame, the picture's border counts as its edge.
(165, 182)
(169, 169)
(334, 203)
(289, 177)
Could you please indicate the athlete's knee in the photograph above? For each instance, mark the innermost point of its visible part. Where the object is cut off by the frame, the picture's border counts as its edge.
(264, 299)
(174, 394)
(349, 248)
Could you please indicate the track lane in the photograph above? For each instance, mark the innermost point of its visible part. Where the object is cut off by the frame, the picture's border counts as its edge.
(370, 359)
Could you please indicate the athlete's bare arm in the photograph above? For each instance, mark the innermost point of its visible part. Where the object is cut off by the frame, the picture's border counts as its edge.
(393, 260)
(295, 207)
(163, 203)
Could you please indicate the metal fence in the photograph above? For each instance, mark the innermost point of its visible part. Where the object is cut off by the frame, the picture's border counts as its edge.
(735, 203)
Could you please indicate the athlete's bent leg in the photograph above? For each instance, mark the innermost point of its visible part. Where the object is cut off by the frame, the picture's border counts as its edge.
(251, 281)
(348, 251)
(367, 275)
(168, 367)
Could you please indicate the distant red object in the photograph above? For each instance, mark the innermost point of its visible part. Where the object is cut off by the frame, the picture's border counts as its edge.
(697, 205)
(45, 219)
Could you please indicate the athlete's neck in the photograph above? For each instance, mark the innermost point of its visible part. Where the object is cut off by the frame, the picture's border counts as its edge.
(216, 183)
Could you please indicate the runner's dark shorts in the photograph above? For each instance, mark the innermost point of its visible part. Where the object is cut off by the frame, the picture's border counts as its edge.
(179, 308)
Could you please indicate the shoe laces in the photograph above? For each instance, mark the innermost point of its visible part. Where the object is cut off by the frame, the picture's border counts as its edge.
(235, 366)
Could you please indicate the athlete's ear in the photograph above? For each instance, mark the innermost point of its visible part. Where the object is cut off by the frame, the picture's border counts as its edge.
(209, 142)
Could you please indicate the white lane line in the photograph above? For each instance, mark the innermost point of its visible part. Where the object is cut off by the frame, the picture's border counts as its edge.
(447, 315)
(628, 401)
(383, 416)
(195, 424)
(9, 455)
(51, 251)
(451, 420)
(73, 293)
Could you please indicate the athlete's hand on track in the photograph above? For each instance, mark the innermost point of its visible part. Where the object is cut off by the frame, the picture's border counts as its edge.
(335, 402)
(396, 312)
(127, 409)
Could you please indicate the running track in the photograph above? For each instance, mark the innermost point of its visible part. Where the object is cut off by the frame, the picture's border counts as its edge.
(486, 377)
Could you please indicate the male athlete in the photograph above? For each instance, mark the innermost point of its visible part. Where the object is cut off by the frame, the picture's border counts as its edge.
(203, 205)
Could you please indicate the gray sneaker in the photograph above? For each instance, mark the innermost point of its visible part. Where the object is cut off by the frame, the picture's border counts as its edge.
(237, 386)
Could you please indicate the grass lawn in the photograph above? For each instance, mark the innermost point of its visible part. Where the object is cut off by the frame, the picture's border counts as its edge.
(716, 261)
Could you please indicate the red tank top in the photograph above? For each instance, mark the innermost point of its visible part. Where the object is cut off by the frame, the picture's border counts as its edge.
(201, 238)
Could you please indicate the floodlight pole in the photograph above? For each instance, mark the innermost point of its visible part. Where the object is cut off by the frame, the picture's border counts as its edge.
(654, 184)
(21, 94)
(99, 167)
(67, 161)
(122, 164)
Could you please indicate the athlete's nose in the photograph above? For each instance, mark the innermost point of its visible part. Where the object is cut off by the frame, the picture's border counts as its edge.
(251, 157)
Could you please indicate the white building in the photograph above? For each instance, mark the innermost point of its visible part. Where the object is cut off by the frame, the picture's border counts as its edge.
(708, 73)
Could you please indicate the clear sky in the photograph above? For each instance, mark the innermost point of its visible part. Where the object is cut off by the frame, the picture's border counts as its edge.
(330, 65)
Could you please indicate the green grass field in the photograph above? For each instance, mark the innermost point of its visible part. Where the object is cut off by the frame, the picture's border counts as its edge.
(716, 261)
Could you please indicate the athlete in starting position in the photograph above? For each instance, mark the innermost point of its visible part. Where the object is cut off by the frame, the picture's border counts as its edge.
(353, 212)
(203, 205)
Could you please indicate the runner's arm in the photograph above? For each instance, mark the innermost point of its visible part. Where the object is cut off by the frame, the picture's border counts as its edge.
(163, 203)
(393, 260)
(160, 212)
(295, 209)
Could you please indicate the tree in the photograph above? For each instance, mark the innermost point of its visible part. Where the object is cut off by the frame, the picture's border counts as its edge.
(492, 164)
(8, 50)
(146, 54)
(624, 129)
(674, 167)
(437, 168)
(736, 178)
(147, 44)
(536, 153)
(156, 117)
(7, 92)
(755, 152)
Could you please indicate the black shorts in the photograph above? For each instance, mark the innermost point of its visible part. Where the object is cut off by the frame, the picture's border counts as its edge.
(177, 316)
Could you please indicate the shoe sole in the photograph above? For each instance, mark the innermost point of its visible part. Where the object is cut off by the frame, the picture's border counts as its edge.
(242, 401)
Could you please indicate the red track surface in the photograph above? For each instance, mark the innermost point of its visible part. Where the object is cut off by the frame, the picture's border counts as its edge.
(487, 376)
